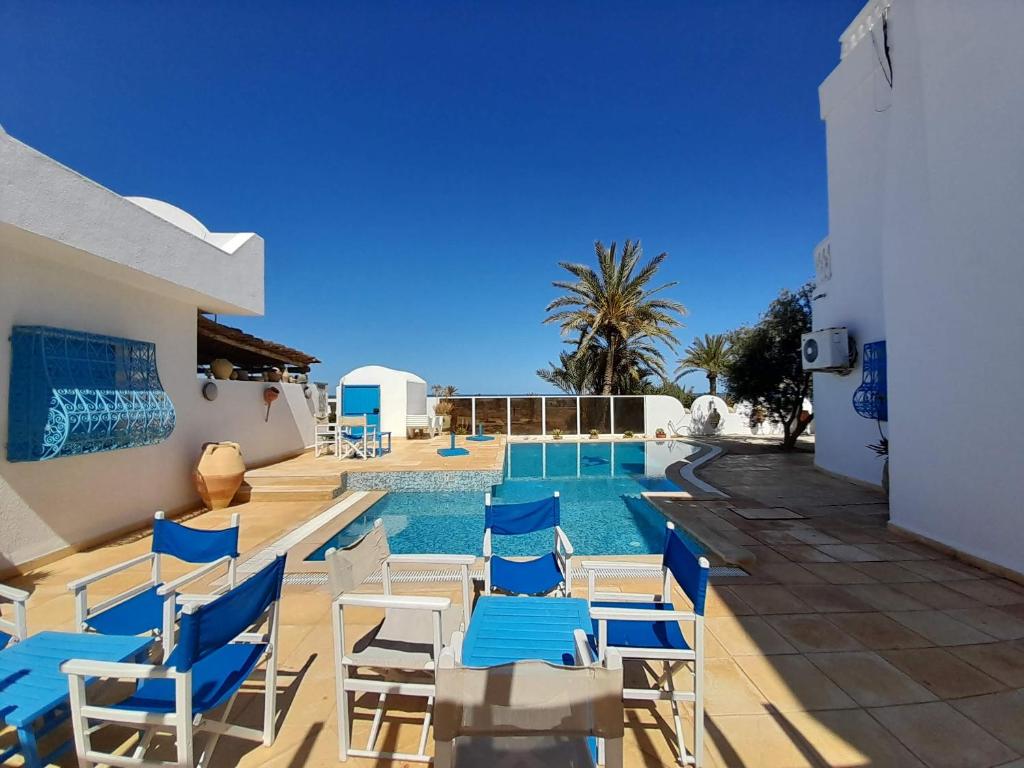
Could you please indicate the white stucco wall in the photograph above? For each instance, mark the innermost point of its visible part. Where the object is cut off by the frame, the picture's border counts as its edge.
(947, 225)
(394, 393)
(46, 506)
(849, 293)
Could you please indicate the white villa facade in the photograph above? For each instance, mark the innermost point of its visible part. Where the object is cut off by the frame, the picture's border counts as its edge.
(85, 263)
(923, 117)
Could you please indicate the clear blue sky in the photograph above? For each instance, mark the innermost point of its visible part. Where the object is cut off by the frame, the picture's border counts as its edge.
(418, 169)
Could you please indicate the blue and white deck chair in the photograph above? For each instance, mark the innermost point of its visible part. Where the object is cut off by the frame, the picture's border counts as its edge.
(355, 437)
(13, 627)
(648, 628)
(222, 640)
(153, 605)
(538, 576)
(528, 713)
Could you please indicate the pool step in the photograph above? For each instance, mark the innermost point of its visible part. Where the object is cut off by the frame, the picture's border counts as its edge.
(320, 492)
(260, 478)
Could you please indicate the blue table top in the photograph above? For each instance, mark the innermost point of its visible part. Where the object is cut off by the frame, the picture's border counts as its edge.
(31, 683)
(507, 629)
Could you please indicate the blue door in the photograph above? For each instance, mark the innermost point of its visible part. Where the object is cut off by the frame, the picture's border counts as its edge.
(362, 400)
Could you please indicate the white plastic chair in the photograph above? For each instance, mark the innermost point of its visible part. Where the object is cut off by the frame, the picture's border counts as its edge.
(15, 628)
(402, 648)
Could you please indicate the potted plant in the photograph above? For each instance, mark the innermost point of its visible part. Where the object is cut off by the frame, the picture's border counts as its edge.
(881, 449)
(443, 409)
(627, 435)
(594, 434)
(660, 433)
(556, 434)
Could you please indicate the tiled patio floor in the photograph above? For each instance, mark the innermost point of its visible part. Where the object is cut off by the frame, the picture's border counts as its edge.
(848, 645)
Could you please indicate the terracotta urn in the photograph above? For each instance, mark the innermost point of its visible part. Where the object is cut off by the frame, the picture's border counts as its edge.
(274, 375)
(222, 368)
(219, 474)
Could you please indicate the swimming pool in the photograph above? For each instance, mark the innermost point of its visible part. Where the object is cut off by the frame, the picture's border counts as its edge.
(600, 484)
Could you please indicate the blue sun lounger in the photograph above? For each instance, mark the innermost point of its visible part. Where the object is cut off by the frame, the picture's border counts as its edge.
(538, 576)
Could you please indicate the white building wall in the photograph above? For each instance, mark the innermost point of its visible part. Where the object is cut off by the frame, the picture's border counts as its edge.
(46, 506)
(849, 281)
(950, 229)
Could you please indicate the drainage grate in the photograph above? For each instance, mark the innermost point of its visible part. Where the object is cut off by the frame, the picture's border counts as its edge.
(442, 575)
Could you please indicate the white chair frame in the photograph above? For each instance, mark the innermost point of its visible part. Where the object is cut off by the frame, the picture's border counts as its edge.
(672, 660)
(181, 722)
(17, 627)
(345, 666)
(363, 447)
(168, 591)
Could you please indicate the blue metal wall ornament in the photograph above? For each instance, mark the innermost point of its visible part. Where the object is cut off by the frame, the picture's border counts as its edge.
(73, 393)
(870, 399)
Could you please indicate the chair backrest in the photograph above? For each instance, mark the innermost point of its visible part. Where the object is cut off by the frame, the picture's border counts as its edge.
(192, 544)
(349, 567)
(525, 517)
(528, 698)
(204, 629)
(690, 572)
(352, 421)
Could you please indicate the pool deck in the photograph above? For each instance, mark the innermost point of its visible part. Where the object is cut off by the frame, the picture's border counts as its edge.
(847, 645)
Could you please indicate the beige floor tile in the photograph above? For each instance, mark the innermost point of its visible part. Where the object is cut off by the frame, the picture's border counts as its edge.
(869, 679)
(768, 599)
(893, 552)
(745, 635)
(877, 631)
(935, 595)
(988, 592)
(1001, 714)
(814, 537)
(1003, 661)
(728, 691)
(940, 628)
(746, 741)
(889, 573)
(804, 553)
(839, 573)
(848, 553)
(829, 598)
(939, 570)
(942, 673)
(790, 682)
(851, 739)
(942, 737)
(992, 621)
(767, 513)
(722, 601)
(884, 598)
(809, 632)
(786, 573)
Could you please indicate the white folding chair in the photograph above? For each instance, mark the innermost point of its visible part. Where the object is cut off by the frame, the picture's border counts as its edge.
(647, 628)
(13, 628)
(223, 639)
(528, 713)
(355, 437)
(402, 649)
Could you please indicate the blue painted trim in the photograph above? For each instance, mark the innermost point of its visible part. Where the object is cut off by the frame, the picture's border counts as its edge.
(74, 393)
(870, 399)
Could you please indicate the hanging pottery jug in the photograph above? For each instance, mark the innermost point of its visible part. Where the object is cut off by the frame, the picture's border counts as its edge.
(270, 394)
(219, 474)
(222, 368)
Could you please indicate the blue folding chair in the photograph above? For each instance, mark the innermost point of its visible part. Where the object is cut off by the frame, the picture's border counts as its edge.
(648, 628)
(152, 605)
(15, 627)
(540, 575)
(222, 640)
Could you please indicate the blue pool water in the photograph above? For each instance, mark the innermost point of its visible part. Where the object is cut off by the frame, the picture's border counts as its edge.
(599, 483)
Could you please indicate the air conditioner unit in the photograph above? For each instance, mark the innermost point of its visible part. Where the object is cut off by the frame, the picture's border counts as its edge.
(827, 350)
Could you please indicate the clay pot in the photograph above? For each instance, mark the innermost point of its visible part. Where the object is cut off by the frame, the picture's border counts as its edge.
(274, 375)
(219, 473)
(222, 368)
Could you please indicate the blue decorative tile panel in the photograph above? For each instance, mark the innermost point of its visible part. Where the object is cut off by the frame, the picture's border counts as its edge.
(73, 393)
(870, 399)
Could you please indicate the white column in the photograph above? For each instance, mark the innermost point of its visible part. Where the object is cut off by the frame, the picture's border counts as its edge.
(508, 416)
(472, 416)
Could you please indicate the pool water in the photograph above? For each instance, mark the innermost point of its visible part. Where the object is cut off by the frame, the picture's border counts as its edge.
(602, 510)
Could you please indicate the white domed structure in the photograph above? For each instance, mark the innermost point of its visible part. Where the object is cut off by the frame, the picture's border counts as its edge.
(393, 394)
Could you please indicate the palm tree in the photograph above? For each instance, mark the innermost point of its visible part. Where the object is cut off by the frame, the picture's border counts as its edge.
(614, 307)
(711, 355)
(571, 374)
(637, 361)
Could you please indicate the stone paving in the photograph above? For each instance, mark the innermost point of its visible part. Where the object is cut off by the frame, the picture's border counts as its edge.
(848, 644)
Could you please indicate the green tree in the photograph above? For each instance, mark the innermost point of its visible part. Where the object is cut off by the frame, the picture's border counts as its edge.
(711, 355)
(766, 369)
(614, 308)
(581, 371)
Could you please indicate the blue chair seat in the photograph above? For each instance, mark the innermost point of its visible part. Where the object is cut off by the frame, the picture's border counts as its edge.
(215, 678)
(134, 616)
(526, 577)
(642, 634)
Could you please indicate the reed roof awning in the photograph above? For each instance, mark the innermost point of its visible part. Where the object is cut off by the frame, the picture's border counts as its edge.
(245, 350)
